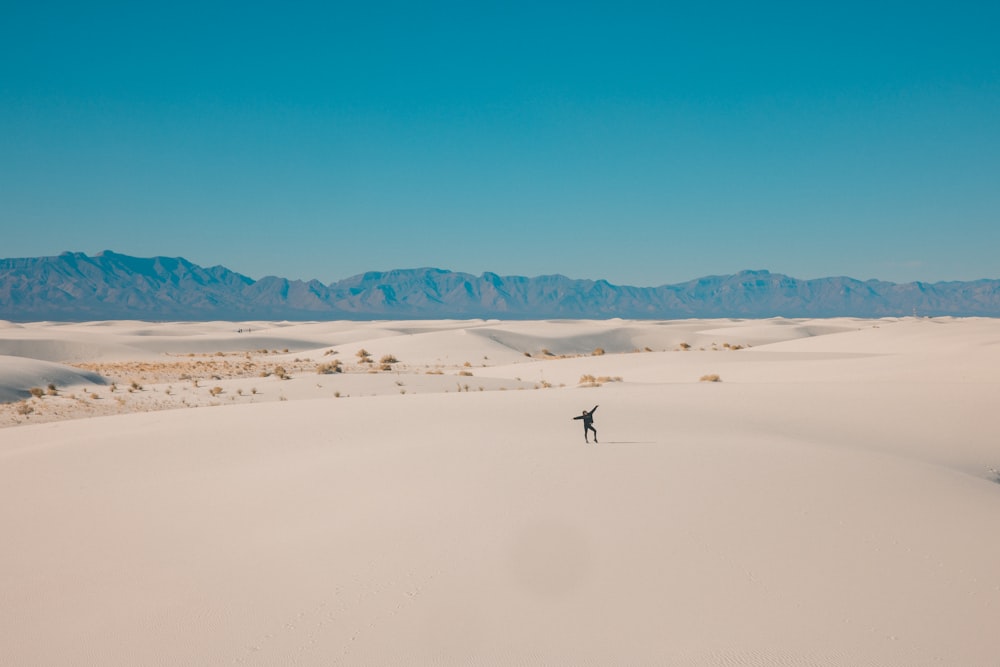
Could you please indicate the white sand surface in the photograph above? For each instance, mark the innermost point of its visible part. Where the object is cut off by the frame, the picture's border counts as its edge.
(832, 501)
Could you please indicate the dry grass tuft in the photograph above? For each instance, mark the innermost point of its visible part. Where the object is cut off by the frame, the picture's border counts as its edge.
(332, 367)
(711, 378)
(592, 381)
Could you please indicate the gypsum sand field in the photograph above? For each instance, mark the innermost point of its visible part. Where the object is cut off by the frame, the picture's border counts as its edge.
(832, 500)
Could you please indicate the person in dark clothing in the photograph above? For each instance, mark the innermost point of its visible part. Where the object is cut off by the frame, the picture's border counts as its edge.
(588, 424)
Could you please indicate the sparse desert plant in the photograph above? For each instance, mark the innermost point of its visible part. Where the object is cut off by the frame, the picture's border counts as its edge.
(37, 392)
(684, 346)
(364, 356)
(336, 394)
(253, 390)
(388, 359)
(713, 377)
(215, 391)
(332, 367)
(546, 353)
(52, 390)
(94, 396)
(527, 354)
(281, 372)
(23, 408)
(589, 380)
(239, 392)
(434, 371)
(647, 349)
(467, 364)
(598, 351)
(465, 373)
(136, 386)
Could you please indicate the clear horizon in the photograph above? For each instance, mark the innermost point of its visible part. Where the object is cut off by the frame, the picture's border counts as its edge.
(644, 144)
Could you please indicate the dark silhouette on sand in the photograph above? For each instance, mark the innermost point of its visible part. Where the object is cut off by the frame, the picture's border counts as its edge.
(588, 424)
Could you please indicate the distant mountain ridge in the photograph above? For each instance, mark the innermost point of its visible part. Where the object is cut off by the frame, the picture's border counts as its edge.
(75, 287)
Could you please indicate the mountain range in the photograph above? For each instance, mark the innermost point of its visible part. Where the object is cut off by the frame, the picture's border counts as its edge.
(74, 287)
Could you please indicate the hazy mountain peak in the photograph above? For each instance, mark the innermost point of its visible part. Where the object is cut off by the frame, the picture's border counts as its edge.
(109, 285)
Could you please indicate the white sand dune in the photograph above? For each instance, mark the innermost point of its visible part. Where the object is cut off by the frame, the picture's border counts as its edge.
(20, 375)
(832, 501)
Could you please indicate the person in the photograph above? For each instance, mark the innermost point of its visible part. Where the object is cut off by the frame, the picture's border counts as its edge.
(588, 424)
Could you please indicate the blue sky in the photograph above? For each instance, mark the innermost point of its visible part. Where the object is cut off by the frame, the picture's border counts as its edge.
(643, 143)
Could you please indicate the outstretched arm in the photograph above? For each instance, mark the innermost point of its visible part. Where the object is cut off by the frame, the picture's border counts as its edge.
(578, 417)
(594, 410)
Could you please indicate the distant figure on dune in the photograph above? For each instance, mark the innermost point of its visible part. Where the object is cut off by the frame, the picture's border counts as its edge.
(588, 424)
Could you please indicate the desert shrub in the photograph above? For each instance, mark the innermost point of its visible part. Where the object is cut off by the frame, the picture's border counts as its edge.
(23, 408)
(332, 367)
(434, 371)
(598, 351)
(388, 359)
(52, 390)
(364, 356)
(136, 386)
(591, 381)
(546, 353)
(711, 378)
(281, 372)
(37, 392)
(215, 391)
(94, 396)
(465, 373)
(684, 346)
